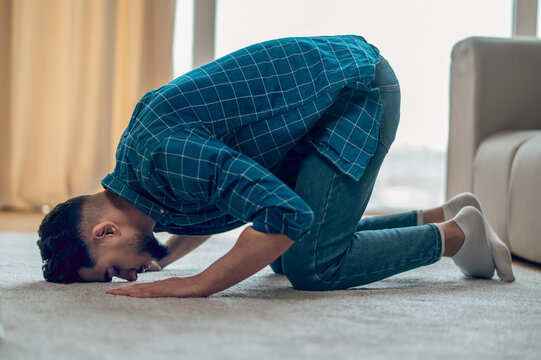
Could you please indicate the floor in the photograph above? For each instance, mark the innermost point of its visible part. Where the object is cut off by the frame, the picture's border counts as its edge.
(20, 221)
(29, 222)
(431, 310)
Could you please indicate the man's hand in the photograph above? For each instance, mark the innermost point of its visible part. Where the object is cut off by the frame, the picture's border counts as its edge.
(253, 251)
(172, 287)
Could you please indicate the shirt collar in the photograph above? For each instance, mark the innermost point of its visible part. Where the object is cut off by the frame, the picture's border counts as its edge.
(143, 204)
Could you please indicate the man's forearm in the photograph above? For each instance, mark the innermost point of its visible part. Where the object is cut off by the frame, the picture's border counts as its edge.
(178, 246)
(253, 251)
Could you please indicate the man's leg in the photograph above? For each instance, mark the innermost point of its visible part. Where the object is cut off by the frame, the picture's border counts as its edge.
(392, 221)
(442, 214)
(334, 255)
(386, 81)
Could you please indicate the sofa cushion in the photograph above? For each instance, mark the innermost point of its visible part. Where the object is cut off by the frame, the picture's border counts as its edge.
(524, 222)
(491, 173)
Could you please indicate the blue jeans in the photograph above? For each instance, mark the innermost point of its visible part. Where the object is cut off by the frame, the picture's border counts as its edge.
(340, 250)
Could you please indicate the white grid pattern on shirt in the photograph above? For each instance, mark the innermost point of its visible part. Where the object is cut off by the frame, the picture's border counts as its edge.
(247, 110)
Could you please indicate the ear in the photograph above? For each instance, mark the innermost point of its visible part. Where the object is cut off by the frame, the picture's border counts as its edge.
(105, 230)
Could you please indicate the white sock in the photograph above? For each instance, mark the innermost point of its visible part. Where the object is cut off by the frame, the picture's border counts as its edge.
(442, 234)
(453, 206)
(420, 217)
(500, 252)
(501, 255)
(475, 256)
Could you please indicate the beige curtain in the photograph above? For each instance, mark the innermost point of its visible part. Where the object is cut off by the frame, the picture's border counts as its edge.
(71, 72)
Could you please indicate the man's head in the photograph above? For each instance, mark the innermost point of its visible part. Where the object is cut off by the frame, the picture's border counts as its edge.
(96, 237)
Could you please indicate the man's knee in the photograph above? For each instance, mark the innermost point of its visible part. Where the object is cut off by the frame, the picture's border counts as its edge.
(276, 266)
(304, 277)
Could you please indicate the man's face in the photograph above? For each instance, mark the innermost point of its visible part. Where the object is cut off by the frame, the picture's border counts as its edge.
(124, 261)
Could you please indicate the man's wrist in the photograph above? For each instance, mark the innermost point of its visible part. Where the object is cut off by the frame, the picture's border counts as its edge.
(252, 252)
(199, 287)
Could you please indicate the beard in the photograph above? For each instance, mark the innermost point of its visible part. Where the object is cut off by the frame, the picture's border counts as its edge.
(152, 246)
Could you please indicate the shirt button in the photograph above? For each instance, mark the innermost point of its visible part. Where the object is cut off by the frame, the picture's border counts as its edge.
(162, 211)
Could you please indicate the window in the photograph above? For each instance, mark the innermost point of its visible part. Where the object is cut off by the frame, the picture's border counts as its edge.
(183, 38)
(416, 36)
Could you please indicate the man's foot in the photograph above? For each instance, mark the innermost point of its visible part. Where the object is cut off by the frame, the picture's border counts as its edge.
(456, 203)
(500, 252)
(474, 258)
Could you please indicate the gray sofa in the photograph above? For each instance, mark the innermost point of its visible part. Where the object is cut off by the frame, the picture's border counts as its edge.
(495, 135)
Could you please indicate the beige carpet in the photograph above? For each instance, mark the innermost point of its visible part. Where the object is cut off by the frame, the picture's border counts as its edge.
(433, 313)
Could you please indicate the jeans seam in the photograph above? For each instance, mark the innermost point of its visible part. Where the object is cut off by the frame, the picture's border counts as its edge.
(316, 274)
(438, 255)
(414, 217)
(389, 88)
(384, 146)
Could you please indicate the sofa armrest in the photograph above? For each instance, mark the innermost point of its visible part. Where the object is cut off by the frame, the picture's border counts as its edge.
(495, 86)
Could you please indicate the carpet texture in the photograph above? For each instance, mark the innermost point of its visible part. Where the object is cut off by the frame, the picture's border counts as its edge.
(432, 312)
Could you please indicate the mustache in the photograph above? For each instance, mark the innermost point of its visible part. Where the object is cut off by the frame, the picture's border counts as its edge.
(156, 249)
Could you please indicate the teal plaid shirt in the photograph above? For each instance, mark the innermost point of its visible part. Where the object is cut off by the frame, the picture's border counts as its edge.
(200, 154)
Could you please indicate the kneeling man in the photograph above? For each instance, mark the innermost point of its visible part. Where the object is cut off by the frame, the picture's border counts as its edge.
(288, 135)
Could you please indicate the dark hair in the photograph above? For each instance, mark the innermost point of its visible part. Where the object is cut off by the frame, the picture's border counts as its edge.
(63, 250)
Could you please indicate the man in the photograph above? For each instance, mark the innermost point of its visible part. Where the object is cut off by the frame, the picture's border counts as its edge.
(287, 134)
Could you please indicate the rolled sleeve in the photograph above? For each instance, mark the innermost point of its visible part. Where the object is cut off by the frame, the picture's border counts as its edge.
(206, 171)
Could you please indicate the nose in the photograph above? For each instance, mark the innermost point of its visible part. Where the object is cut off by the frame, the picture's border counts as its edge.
(130, 274)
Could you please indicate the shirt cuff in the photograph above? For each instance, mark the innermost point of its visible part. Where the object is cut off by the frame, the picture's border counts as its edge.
(274, 221)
